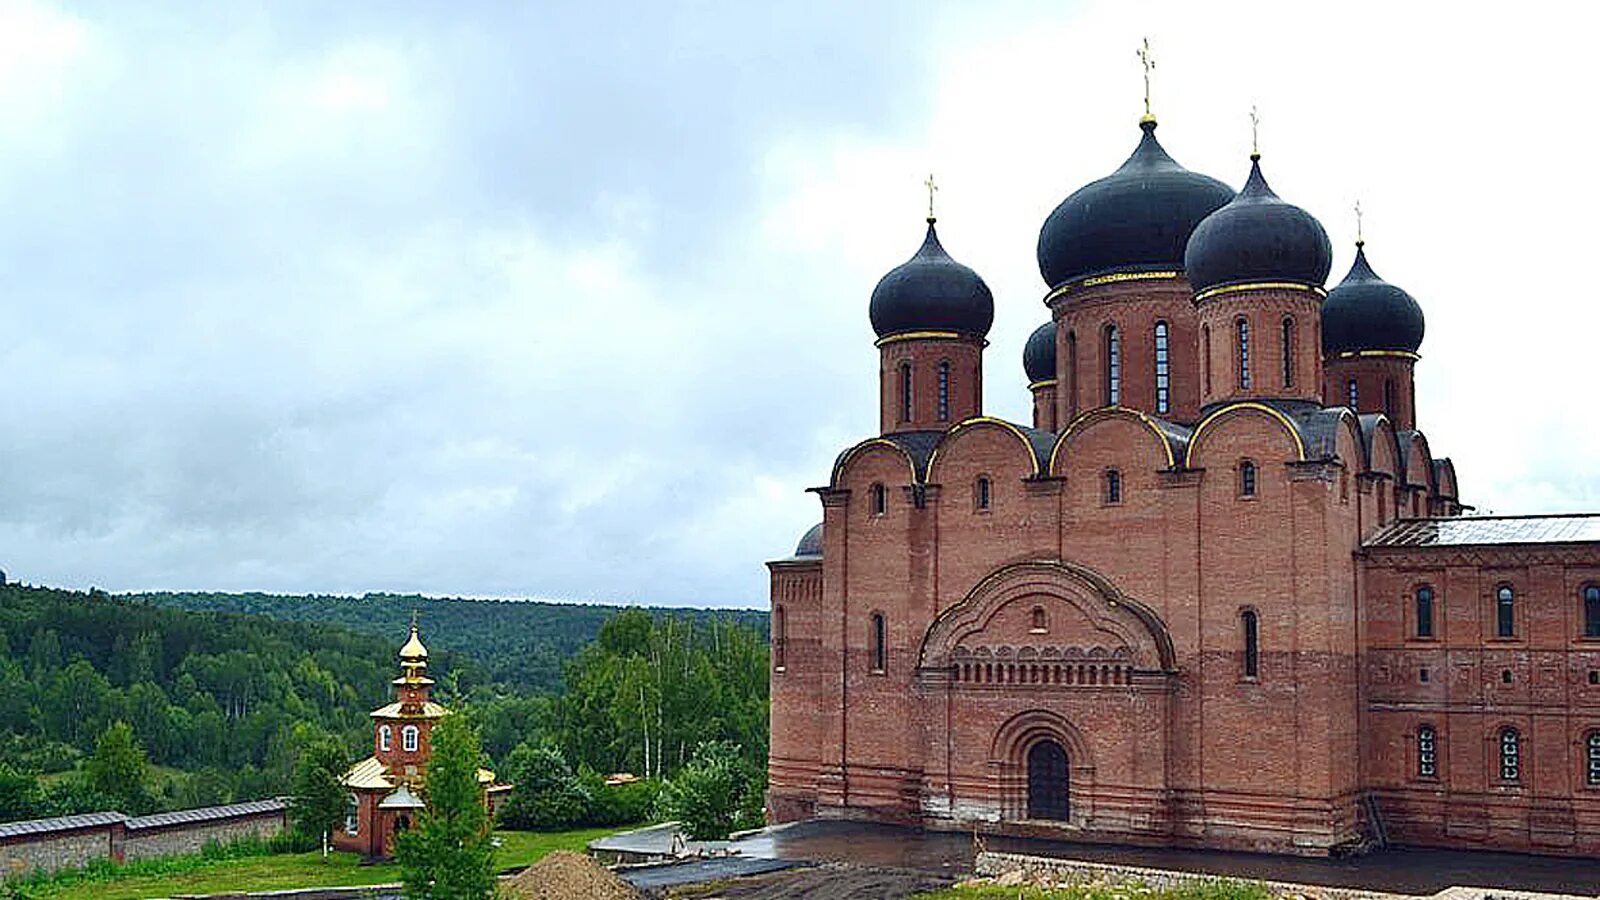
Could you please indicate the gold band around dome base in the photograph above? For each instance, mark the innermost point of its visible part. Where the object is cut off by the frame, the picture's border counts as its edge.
(1395, 354)
(1048, 382)
(1111, 278)
(928, 336)
(1259, 286)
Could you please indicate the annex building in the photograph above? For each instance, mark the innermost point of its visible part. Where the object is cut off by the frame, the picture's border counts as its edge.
(1219, 592)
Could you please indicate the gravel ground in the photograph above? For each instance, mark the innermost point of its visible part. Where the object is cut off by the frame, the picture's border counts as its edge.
(828, 882)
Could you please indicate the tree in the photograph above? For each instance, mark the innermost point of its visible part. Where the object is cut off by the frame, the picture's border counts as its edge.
(714, 794)
(118, 766)
(546, 794)
(318, 803)
(448, 855)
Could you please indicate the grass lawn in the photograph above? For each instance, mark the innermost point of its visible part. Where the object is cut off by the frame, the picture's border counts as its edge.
(297, 870)
(1220, 889)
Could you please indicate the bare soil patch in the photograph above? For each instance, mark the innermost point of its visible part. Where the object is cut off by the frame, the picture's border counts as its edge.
(564, 875)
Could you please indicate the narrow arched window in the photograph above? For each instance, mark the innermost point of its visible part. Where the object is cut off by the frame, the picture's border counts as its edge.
(1205, 353)
(1425, 611)
(980, 493)
(944, 391)
(905, 392)
(1247, 478)
(1510, 755)
(1350, 389)
(1163, 369)
(1252, 643)
(780, 639)
(385, 738)
(1243, 328)
(1388, 398)
(1113, 486)
(1072, 374)
(1427, 752)
(1113, 366)
(1591, 610)
(1591, 757)
(1037, 625)
(409, 738)
(1344, 485)
(1505, 611)
(880, 643)
(880, 500)
(1288, 351)
(352, 815)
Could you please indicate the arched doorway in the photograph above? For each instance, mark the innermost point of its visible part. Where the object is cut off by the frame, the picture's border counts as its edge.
(1048, 781)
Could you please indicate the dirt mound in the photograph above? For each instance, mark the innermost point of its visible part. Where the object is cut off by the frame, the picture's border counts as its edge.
(564, 875)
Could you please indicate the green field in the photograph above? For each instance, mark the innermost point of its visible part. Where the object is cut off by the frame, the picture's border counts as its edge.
(290, 870)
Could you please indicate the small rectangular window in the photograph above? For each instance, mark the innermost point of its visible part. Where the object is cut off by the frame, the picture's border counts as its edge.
(1427, 752)
(1252, 644)
(880, 643)
(1425, 612)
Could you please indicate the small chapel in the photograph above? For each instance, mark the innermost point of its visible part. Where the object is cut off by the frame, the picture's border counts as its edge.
(1220, 592)
(388, 788)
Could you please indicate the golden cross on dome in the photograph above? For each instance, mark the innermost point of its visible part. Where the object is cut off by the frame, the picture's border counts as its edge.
(1148, 60)
(931, 188)
(1255, 131)
(1359, 239)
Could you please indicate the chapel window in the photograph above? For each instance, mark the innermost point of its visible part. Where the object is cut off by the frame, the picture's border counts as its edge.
(1113, 366)
(1425, 611)
(1252, 643)
(1113, 486)
(981, 493)
(880, 500)
(1288, 351)
(905, 392)
(1247, 479)
(1072, 374)
(1591, 610)
(1510, 755)
(780, 638)
(352, 815)
(1350, 390)
(880, 643)
(1243, 328)
(1505, 608)
(385, 738)
(1427, 752)
(1163, 369)
(1205, 353)
(1591, 751)
(944, 391)
(409, 738)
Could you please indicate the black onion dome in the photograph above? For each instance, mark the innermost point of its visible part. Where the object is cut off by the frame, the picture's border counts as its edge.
(931, 292)
(1039, 354)
(1367, 313)
(810, 542)
(1137, 219)
(1258, 237)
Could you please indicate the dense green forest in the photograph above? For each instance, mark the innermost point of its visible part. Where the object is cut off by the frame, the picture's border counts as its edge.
(204, 706)
(522, 643)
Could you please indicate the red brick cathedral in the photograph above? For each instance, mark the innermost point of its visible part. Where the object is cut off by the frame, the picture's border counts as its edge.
(1219, 593)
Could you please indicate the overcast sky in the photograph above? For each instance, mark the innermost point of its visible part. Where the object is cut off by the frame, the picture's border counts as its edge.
(570, 300)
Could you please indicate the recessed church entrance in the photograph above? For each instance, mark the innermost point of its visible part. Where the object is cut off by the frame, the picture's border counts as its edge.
(1047, 781)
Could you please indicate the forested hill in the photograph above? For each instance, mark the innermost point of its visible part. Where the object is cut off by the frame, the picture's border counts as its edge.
(521, 643)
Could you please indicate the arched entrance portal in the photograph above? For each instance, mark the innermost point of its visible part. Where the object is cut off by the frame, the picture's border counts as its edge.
(1048, 782)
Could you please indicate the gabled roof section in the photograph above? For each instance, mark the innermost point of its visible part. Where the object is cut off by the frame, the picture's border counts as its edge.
(918, 447)
(1471, 531)
(368, 775)
(430, 710)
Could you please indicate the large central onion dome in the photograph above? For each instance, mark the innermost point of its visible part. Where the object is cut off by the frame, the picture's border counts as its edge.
(1039, 354)
(1367, 313)
(1137, 219)
(1258, 238)
(931, 292)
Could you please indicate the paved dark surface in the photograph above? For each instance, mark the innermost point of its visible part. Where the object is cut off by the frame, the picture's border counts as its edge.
(1401, 871)
(651, 877)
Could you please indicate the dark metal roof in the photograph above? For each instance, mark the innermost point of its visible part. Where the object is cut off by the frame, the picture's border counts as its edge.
(810, 545)
(208, 814)
(1466, 531)
(1137, 219)
(1367, 313)
(1258, 237)
(61, 823)
(1039, 353)
(931, 292)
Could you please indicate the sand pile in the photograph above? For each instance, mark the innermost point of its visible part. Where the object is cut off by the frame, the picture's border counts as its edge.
(564, 875)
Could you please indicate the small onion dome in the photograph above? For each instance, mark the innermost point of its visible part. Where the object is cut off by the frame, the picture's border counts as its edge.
(1255, 238)
(810, 542)
(1367, 313)
(413, 649)
(1137, 219)
(1039, 354)
(931, 292)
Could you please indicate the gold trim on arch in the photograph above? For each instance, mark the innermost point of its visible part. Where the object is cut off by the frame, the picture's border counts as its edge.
(1259, 286)
(983, 420)
(1194, 439)
(911, 465)
(1110, 278)
(1400, 354)
(1102, 411)
(927, 336)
